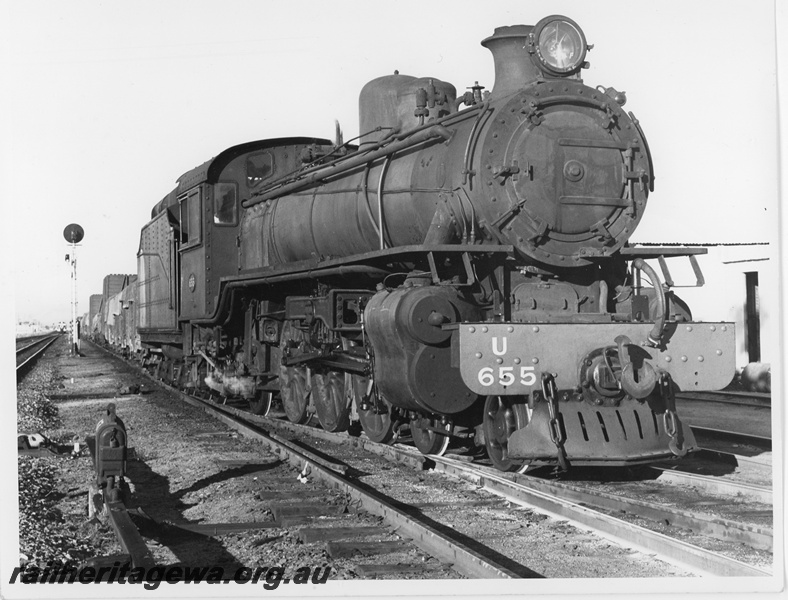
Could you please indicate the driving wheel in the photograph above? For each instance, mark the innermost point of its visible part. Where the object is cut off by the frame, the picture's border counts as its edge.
(261, 403)
(427, 440)
(331, 404)
(502, 418)
(293, 379)
(375, 420)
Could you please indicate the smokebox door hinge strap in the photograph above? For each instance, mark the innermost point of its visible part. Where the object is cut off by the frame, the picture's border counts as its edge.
(501, 221)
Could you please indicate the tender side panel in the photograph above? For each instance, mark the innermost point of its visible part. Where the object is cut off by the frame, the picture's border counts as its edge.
(155, 286)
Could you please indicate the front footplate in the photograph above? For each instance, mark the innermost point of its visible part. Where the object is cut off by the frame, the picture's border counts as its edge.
(631, 433)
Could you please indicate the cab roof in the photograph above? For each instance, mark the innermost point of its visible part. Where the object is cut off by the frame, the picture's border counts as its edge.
(209, 171)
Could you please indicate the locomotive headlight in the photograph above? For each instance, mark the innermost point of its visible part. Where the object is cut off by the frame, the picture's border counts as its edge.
(560, 45)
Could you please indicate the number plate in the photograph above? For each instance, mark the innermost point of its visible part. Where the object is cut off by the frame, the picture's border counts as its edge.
(493, 366)
(507, 376)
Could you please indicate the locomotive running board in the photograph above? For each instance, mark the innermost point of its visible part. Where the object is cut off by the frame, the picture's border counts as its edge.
(376, 263)
(614, 436)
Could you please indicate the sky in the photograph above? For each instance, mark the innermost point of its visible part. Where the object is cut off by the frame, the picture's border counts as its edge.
(110, 102)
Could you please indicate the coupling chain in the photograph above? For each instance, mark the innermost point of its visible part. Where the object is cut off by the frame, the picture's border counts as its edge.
(669, 417)
(550, 392)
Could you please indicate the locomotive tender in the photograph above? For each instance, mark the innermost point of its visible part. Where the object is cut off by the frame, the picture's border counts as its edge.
(462, 272)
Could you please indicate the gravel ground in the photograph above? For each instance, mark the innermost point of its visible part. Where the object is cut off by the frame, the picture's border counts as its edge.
(52, 503)
(687, 498)
(511, 531)
(189, 469)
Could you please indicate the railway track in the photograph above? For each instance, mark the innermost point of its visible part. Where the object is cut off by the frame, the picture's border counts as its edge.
(746, 454)
(593, 510)
(463, 559)
(428, 526)
(758, 399)
(29, 353)
(336, 513)
(710, 436)
(733, 431)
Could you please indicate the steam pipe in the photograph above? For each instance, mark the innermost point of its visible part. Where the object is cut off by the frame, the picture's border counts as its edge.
(603, 296)
(419, 137)
(382, 227)
(655, 334)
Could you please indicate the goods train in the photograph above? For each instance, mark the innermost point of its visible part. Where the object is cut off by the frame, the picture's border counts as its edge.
(461, 273)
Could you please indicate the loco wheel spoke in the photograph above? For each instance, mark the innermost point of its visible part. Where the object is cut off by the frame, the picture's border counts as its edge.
(500, 421)
(294, 396)
(429, 441)
(293, 380)
(376, 424)
(331, 404)
(261, 403)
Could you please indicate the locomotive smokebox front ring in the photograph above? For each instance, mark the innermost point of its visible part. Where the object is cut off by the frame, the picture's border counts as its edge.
(576, 168)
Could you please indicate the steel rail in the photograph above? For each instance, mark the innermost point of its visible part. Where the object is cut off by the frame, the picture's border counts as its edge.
(759, 493)
(717, 527)
(406, 456)
(755, 399)
(463, 559)
(758, 441)
(689, 556)
(748, 464)
(26, 364)
(671, 550)
(30, 345)
(564, 501)
(38, 341)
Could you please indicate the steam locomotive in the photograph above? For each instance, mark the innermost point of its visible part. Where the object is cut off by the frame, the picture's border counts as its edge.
(461, 273)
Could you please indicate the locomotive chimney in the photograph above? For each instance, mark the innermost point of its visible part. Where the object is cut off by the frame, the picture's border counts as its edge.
(513, 65)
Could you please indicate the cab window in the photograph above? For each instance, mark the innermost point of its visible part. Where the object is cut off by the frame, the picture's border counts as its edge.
(259, 167)
(190, 218)
(225, 204)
